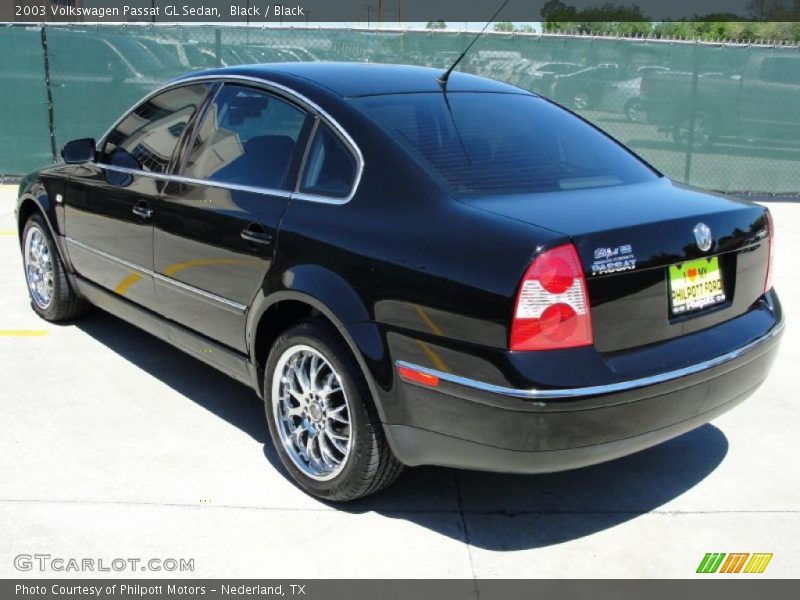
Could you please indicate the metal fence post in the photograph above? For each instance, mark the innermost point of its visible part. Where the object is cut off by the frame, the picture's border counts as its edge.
(49, 88)
(687, 167)
(218, 45)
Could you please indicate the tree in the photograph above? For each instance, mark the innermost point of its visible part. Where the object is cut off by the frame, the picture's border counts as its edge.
(609, 19)
(508, 26)
(774, 10)
(555, 10)
(436, 25)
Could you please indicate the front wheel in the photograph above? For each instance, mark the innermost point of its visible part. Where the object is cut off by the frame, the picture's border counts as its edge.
(52, 296)
(322, 418)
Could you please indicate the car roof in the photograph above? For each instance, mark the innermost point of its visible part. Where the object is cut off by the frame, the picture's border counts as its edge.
(366, 79)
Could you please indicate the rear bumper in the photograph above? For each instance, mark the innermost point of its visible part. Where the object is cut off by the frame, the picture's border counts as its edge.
(469, 424)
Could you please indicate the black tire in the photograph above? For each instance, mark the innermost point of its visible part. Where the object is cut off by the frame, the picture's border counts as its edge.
(705, 131)
(370, 465)
(582, 100)
(634, 111)
(65, 304)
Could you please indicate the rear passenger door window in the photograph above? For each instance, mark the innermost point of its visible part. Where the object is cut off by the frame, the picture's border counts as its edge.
(248, 137)
(330, 168)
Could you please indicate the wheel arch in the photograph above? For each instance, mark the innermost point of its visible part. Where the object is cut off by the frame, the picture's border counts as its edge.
(36, 199)
(315, 293)
(28, 205)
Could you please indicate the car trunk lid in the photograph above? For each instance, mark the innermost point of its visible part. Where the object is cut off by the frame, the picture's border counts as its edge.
(627, 237)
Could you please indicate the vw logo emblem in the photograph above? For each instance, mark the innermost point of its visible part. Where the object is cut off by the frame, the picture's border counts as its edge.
(702, 235)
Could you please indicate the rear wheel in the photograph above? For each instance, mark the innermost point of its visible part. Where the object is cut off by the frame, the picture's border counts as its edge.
(700, 131)
(581, 101)
(52, 296)
(321, 416)
(634, 111)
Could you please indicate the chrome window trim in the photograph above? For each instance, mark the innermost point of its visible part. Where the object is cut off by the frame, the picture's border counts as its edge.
(229, 304)
(270, 85)
(205, 182)
(596, 390)
(301, 173)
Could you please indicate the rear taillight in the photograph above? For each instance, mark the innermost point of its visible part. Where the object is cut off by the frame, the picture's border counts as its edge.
(552, 309)
(771, 259)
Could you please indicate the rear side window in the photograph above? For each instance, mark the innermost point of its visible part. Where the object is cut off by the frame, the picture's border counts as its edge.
(146, 138)
(330, 168)
(487, 143)
(247, 137)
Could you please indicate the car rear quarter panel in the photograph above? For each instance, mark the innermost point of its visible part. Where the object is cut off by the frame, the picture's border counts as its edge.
(404, 268)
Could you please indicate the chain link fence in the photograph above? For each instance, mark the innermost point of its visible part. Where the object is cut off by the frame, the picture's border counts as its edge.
(719, 116)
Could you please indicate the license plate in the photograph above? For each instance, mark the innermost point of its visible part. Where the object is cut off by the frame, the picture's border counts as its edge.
(695, 284)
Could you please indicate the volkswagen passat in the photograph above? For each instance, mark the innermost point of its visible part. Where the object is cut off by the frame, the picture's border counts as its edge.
(409, 273)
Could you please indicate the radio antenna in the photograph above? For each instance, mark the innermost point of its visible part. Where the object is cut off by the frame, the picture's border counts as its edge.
(446, 75)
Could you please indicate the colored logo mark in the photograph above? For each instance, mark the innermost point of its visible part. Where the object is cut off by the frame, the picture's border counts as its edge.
(734, 562)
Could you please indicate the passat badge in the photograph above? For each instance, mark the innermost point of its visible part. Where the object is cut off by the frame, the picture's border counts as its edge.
(702, 235)
(613, 260)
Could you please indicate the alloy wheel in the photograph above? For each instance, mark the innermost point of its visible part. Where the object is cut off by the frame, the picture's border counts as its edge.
(580, 101)
(38, 267)
(701, 134)
(312, 412)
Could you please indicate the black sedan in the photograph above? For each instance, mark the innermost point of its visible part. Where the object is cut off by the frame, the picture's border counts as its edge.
(410, 273)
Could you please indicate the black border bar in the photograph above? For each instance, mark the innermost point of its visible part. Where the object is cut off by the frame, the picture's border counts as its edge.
(704, 587)
(396, 12)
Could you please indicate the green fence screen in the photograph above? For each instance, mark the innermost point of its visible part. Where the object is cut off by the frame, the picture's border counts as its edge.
(719, 116)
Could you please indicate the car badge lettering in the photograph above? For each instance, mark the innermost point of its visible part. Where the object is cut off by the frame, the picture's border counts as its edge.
(702, 235)
(613, 259)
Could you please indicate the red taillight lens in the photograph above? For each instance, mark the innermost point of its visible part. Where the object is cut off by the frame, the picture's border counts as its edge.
(771, 259)
(552, 309)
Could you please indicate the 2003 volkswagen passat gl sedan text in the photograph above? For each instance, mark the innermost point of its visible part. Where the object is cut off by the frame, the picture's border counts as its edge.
(409, 272)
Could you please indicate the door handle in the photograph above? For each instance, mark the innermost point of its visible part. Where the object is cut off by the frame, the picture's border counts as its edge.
(143, 210)
(255, 234)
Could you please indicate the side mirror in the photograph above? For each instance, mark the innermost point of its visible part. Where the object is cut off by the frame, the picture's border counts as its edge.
(79, 151)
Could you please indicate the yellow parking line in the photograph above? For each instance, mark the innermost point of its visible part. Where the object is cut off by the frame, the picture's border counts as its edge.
(175, 268)
(123, 286)
(8, 233)
(437, 360)
(427, 320)
(22, 332)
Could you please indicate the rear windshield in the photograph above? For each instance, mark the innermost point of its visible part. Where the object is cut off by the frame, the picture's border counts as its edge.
(488, 143)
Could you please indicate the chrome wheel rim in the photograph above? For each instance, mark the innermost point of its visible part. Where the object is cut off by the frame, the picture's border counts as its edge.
(311, 412)
(636, 113)
(39, 268)
(581, 101)
(701, 134)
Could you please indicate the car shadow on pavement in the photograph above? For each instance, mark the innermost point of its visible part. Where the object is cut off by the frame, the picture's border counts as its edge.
(489, 510)
(204, 385)
(517, 512)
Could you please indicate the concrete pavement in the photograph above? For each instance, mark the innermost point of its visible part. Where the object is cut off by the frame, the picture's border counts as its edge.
(114, 444)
